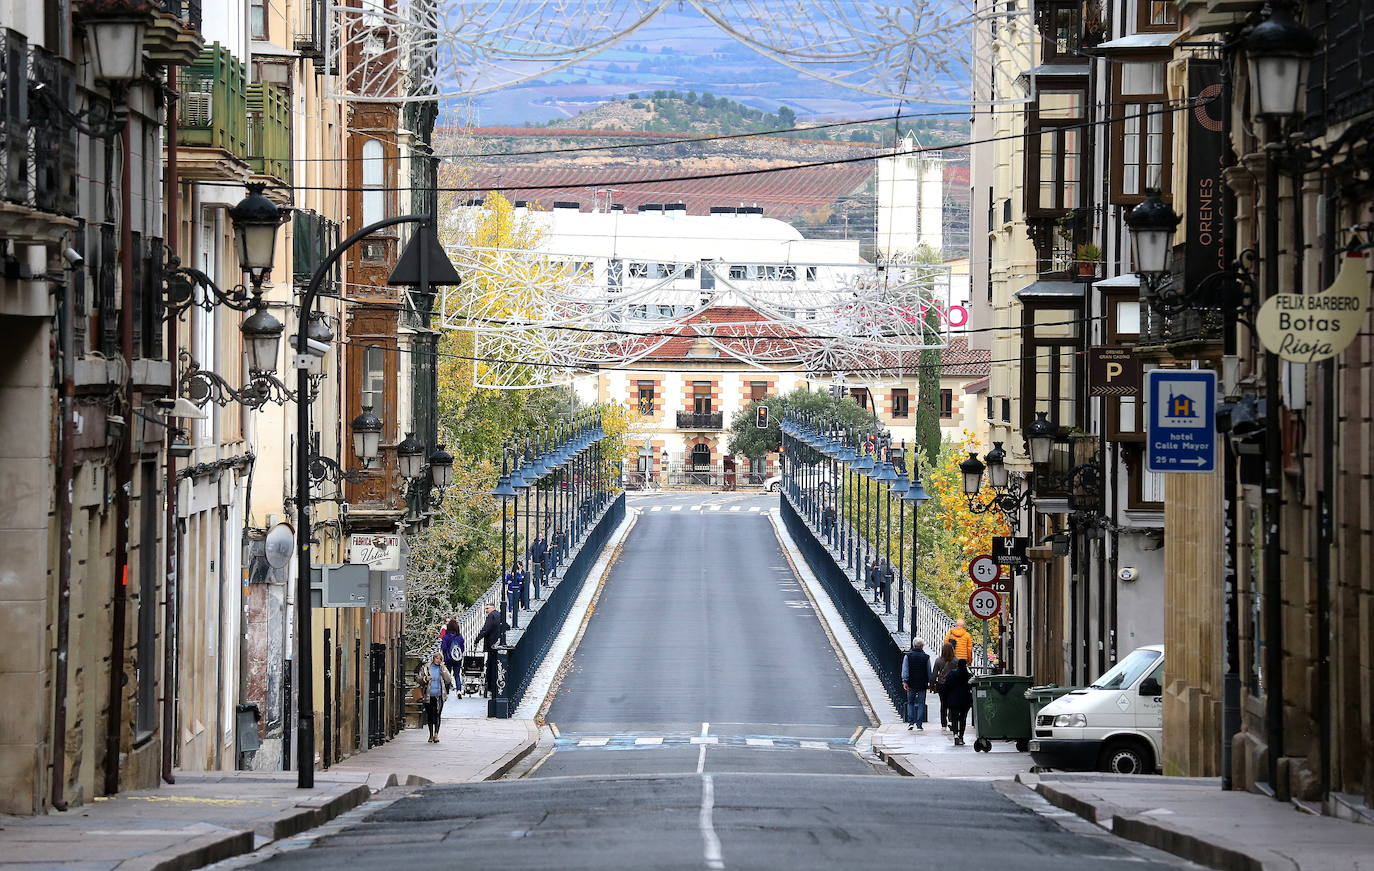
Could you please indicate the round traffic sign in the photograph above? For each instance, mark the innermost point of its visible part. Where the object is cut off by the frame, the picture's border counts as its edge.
(984, 570)
(984, 604)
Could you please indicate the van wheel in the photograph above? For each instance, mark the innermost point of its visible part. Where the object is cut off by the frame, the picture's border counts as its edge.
(1125, 757)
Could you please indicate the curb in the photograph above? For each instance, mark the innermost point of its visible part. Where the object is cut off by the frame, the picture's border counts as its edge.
(1162, 835)
(898, 763)
(499, 768)
(194, 853)
(313, 812)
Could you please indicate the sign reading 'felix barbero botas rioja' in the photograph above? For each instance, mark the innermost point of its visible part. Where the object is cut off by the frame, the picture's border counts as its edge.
(1307, 327)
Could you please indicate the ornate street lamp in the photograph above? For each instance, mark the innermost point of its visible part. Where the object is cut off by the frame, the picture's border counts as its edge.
(367, 436)
(441, 468)
(1278, 50)
(410, 458)
(261, 336)
(116, 44)
(1040, 438)
(1152, 224)
(972, 470)
(998, 475)
(256, 219)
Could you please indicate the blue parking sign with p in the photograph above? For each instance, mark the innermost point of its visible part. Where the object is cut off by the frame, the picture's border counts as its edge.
(1181, 420)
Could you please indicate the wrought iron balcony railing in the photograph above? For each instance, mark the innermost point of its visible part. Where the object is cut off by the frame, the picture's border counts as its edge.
(214, 102)
(700, 420)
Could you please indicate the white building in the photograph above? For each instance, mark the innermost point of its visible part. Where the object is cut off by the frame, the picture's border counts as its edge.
(910, 201)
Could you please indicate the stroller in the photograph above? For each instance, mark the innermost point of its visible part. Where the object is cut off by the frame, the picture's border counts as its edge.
(474, 674)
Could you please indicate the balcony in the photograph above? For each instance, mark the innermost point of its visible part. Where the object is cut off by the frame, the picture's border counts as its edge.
(700, 420)
(213, 118)
(1195, 333)
(269, 131)
(37, 149)
(173, 36)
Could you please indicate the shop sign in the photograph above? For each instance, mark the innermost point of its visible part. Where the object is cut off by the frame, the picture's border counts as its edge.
(1309, 327)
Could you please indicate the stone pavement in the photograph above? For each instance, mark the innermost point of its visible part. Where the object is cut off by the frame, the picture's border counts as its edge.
(1194, 819)
(931, 753)
(206, 817)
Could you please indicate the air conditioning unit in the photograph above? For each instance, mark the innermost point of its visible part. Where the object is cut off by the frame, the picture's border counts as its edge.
(197, 108)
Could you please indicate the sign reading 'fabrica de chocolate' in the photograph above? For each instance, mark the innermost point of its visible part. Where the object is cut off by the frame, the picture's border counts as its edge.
(1309, 327)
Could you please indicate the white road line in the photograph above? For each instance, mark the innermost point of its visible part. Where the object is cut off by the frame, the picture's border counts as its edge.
(815, 745)
(715, 507)
(593, 742)
(759, 742)
(645, 739)
(701, 760)
(753, 508)
(676, 508)
(734, 507)
(657, 508)
(710, 843)
(705, 728)
(694, 508)
(702, 739)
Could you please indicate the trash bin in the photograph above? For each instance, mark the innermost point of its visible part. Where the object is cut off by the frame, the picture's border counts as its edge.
(1001, 711)
(1043, 695)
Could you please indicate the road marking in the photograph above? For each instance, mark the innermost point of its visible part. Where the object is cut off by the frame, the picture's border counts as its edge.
(694, 508)
(593, 742)
(734, 507)
(759, 742)
(657, 508)
(753, 508)
(815, 745)
(676, 508)
(710, 843)
(702, 739)
(701, 760)
(644, 739)
(715, 507)
(705, 728)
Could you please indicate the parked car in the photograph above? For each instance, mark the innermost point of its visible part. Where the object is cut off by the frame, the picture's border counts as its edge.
(1115, 724)
(823, 485)
(773, 484)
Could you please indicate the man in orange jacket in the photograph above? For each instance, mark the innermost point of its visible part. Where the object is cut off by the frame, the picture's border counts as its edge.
(962, 641)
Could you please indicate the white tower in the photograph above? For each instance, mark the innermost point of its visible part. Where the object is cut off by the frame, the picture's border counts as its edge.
(910, 201)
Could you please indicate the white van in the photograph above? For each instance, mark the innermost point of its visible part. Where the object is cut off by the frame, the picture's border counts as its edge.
(1114, 725)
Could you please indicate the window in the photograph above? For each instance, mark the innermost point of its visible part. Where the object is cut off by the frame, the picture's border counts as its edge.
(1123, 318)
(149, 570)
(739, 273)
(665, 311)
(1060, 30)
(901, 402)
(1146, 487)
(701, 397)
(1006, 410)
(758, 391)
(374, 389)
(787, 273)
(639, 270)
(257, 18)
(859, 395)
(811, 273)
(646, 397)
(990, 417)
(374, 180)
(1141, 131)
(1054, 158)
(1156, 16)
(701, 457)
(946, 403)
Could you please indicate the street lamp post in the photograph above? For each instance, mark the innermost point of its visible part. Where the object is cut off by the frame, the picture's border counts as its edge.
(250, 243)
(1278, 50)
(916, 495)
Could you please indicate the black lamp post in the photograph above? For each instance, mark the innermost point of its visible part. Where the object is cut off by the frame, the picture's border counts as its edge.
(1278, 50)
(115, 41)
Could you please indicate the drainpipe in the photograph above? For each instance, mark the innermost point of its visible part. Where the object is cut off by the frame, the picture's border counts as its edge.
(123, 470)
(171, 539)
(1273, 491)
(66, 473)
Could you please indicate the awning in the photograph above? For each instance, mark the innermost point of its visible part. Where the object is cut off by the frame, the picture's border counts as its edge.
(1050, 290)
(1057, 70)
(1137, 43)
(1129, 279)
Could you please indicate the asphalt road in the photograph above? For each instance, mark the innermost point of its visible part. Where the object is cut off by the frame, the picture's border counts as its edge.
(706, 723)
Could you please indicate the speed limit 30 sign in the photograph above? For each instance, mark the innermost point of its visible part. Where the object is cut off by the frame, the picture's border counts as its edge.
(984, 603)
(984, 570)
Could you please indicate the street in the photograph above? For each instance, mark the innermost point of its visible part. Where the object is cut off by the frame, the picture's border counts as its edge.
(706, 722)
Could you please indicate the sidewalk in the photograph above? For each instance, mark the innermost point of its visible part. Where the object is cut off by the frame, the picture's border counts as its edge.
(1195, 820)
(931, 753)
(209, 816)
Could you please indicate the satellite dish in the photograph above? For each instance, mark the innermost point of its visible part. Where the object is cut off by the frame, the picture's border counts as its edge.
(280, 545)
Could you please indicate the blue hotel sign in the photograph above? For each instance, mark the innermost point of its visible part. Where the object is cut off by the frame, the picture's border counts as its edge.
(1181, 420)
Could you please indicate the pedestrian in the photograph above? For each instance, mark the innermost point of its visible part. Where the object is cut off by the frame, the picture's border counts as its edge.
(885, 578)
(559, 544)
(828, 523)
(939, 670)
(915, 680)
(451, 645)
(437, 683)
(539, 553)
(959, 698)
(962, 640)
(515, 583)
(875, 579)
(493, 632)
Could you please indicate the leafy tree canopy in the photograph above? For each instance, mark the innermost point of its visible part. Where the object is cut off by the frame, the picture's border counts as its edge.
(752, 442)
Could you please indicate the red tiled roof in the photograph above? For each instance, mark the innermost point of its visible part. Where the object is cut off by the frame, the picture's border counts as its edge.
(979, 386)
(781, 194)
(749, 331)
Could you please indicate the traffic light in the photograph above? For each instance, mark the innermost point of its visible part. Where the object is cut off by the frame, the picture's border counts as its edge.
(761, 417)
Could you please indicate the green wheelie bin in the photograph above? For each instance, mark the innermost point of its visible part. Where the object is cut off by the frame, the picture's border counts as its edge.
(1043, 695)
(1001, 711)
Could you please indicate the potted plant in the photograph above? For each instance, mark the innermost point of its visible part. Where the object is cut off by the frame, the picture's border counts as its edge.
(1088, 257)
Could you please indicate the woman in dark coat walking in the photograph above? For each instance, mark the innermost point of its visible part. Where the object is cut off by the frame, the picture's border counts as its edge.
(939, 670)
(452, 645)
(958, 697)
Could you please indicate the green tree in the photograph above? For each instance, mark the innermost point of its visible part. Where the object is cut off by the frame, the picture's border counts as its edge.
(748, 440)
(928, 436)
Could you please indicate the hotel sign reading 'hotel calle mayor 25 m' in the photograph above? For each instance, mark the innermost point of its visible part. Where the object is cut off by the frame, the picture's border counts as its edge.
(1181, 420)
